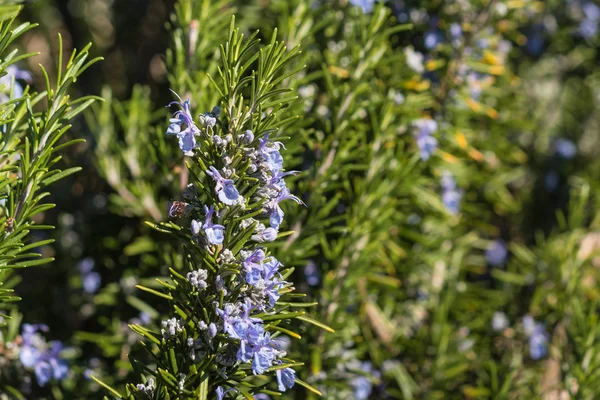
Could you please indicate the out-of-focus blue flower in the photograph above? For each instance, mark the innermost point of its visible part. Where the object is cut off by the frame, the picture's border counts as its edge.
(86, 265)
(29, 356)
(145, 318)
(496, 253)
(43, 358)
(14, 72)
(312, 274)
(432, 38)
(426, 142)
(285, 379)
(538, 342)
(565, 148)
(451, 195)
(214, 232)
(362, 388)
(588, 27)
(591, 11)
(456, 34)
(363, 384)
(91, 280)
(538, 338)
(224, 188)
(366, 5)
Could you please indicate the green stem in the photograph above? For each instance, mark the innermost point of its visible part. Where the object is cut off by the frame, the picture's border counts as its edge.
(203, 392)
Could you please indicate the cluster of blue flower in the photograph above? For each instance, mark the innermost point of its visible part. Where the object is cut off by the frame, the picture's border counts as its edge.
(538, 338)
(90, 279)
(451, 194)
(588, 27)
(248, 282)
(42, 357)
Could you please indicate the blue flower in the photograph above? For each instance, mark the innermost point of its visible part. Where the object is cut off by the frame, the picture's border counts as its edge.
(496, 253)
(538, 342)
(451, 200)
(214, 232)
(591, 11)
(312, 274)
(455, 34)
(270, 152)
(43, 372)
(588, 28)
(363, 385)
(276, 182)
(182, 126)
(362, 388)
(14, 72)
(44, 359)
(272, 292)
(30, 330)
(564, 148)
(212, 330)
(227, 314)
(224, 188)
(271, 268)
(269, 234)
(253, 265)
(243, 327)
(264, 354)
(275, 212)
(29, 356)
(285, 379)
(538, 338)
(91, 282)
(426, 142)
(432, 38)
(451, 195)
(220, 392)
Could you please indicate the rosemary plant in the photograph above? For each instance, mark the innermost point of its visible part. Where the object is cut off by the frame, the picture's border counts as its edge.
(231, 304)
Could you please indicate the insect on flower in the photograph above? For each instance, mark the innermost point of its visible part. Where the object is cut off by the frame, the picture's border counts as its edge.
(179, 209)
